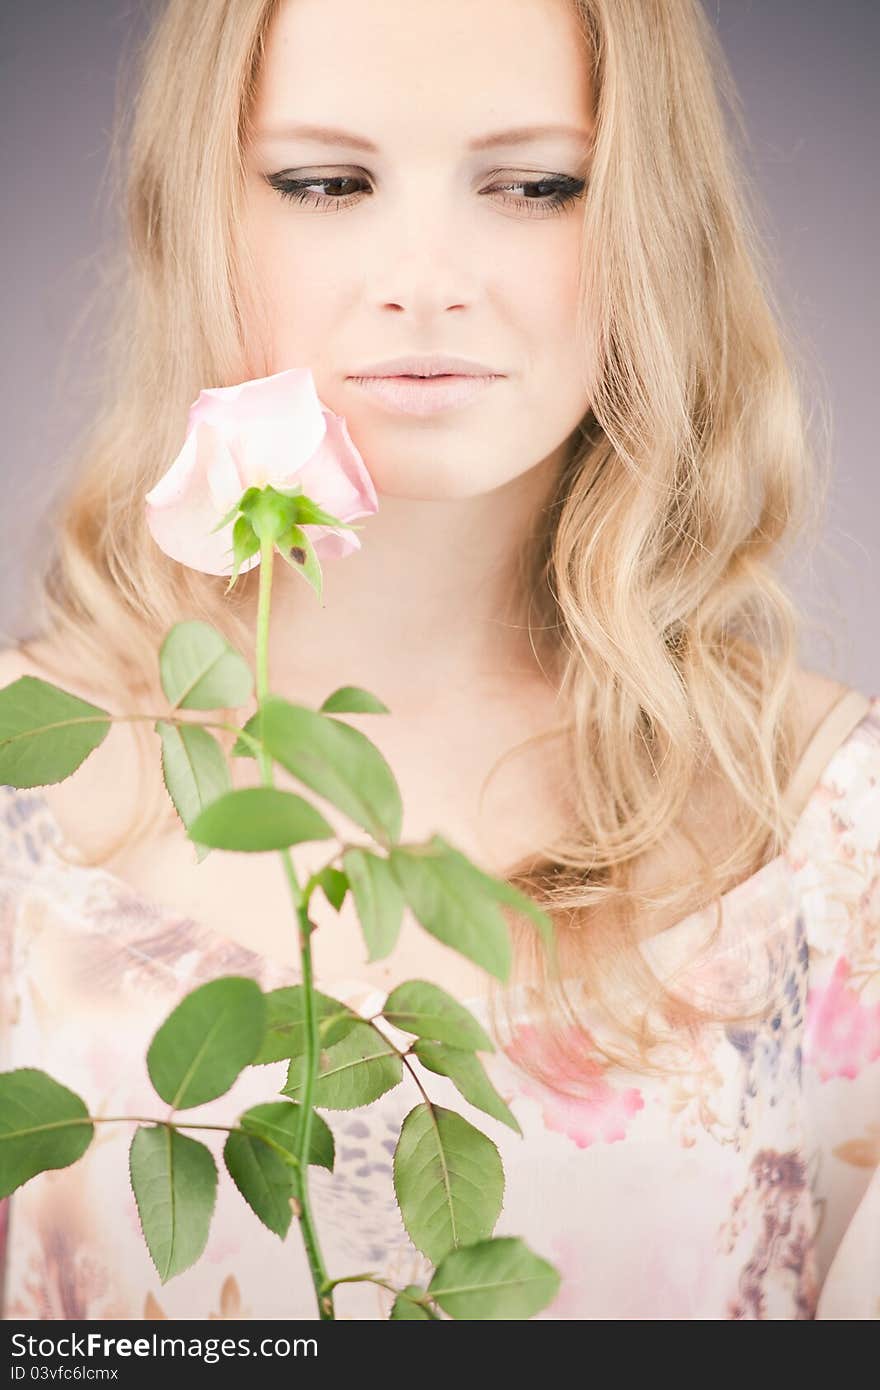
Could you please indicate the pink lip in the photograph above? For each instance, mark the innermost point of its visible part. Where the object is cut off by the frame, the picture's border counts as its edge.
(424, 396)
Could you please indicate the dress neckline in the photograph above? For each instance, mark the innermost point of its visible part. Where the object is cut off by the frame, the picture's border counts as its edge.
(841, 722)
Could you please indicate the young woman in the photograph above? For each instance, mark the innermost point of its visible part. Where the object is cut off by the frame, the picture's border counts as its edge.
(568, 599)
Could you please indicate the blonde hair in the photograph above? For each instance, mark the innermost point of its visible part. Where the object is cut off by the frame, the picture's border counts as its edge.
(650, 585)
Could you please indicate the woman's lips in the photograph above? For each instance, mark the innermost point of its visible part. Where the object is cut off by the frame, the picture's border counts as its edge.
(424, 395)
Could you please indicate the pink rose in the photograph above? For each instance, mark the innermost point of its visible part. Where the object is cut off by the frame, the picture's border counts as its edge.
(273, 430)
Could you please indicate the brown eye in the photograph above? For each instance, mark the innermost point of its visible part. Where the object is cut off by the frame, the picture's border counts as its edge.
(556, 194)
(299, 190)
(542, 198)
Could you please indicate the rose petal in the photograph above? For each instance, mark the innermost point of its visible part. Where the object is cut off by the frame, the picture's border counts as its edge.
(272, 425)
(181, 509)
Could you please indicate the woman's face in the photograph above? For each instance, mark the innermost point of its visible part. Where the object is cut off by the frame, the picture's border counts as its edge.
(429, 242)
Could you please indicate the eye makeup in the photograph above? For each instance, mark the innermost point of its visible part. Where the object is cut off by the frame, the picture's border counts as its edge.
(556, 192)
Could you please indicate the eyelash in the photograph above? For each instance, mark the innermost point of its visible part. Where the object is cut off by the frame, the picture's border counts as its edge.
(565, 192)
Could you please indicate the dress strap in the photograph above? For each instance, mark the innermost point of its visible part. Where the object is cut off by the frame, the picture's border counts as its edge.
(833, 729)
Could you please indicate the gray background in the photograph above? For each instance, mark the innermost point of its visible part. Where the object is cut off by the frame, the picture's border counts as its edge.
(806, 71)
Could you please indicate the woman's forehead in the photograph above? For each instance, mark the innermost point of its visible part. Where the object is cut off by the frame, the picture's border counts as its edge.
(464, 69)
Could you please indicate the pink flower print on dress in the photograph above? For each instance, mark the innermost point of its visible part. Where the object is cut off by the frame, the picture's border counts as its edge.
(270, 431)
(601, 1113)
(842, 1035)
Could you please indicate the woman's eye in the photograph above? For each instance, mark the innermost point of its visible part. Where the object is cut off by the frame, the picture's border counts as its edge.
(300, 190)
(541, 197)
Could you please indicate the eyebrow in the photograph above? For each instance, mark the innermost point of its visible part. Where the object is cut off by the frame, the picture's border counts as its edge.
(330, 135)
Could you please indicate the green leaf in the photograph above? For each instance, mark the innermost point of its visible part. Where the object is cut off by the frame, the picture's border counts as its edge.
(241, 748)
(42, 1125)
(353, 1072)
(445, 899)
(492, 1279)
(336, 761)
(203, 1045)
(308, 513)
(245, 543)
(304, 511)
(378, 900)
(262, 1177)
(194, 769)
(286, 1030)
(499, 889)
(174, 1180)
(254, 819)
(244, 501)
(280, 1121)
(293, 489)
(45, 732)
(466, 1070)
(352, 699)
(448, 1179)
(404, 1308)
(297, 551)
(334, 884)
(265, 1177)
(423, 1008)
(200, 670)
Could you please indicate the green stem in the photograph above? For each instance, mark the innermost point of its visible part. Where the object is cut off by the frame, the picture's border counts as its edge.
(306, 1220)
(183, 1124)
(424, 1302)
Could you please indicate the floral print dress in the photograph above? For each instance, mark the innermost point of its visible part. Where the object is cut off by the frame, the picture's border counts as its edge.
(744, 1185)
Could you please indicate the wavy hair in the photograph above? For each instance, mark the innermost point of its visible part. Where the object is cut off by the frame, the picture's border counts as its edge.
(652, 590)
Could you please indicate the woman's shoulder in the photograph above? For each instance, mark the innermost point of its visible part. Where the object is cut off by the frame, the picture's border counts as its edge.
(834, 851)
(815, 696)
(820, 706)
(835, 730)
(838, 766)
(839, 824)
